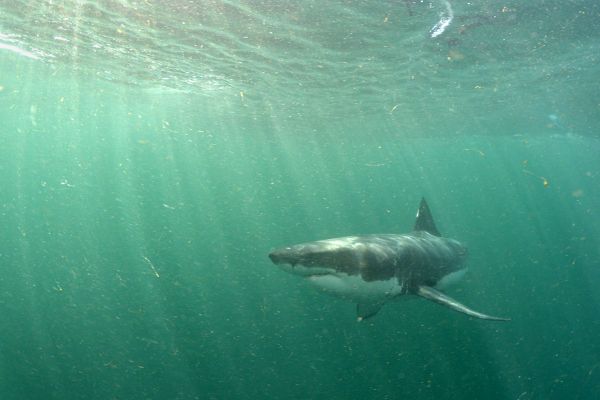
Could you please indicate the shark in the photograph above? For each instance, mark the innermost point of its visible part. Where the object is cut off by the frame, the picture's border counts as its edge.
(372, 270)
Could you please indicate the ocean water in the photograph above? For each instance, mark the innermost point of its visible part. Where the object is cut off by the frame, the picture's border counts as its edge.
(153, 153)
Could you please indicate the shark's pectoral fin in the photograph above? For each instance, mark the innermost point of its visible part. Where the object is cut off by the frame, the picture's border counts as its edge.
(431, 294)
(367, 310)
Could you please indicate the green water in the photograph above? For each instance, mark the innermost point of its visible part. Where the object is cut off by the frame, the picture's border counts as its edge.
(151, 155)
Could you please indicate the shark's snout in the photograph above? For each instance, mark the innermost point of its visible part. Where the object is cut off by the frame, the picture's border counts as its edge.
(284, 255)
(274, 257)
(301, 260)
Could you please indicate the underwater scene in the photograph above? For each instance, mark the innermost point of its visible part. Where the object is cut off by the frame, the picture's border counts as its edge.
(269, 199)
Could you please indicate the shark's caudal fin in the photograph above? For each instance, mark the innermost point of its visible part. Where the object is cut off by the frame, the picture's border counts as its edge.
(424, 221)
(431, 294)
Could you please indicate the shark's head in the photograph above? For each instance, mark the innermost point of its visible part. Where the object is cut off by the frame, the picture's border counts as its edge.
(314, 258)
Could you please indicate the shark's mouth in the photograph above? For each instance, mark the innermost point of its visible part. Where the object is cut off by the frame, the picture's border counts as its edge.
(290, 261)
(306, 271)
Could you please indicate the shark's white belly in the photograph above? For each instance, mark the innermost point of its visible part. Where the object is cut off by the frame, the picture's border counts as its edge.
(353, 287)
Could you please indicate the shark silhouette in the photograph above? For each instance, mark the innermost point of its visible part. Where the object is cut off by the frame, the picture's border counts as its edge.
(372, 270)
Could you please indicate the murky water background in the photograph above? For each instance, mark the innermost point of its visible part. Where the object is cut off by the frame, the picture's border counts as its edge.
(152, 154)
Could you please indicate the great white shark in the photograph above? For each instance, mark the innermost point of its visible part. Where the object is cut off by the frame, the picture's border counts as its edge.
(372, 270)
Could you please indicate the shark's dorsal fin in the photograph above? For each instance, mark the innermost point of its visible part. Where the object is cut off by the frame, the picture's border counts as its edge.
(424, 221)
